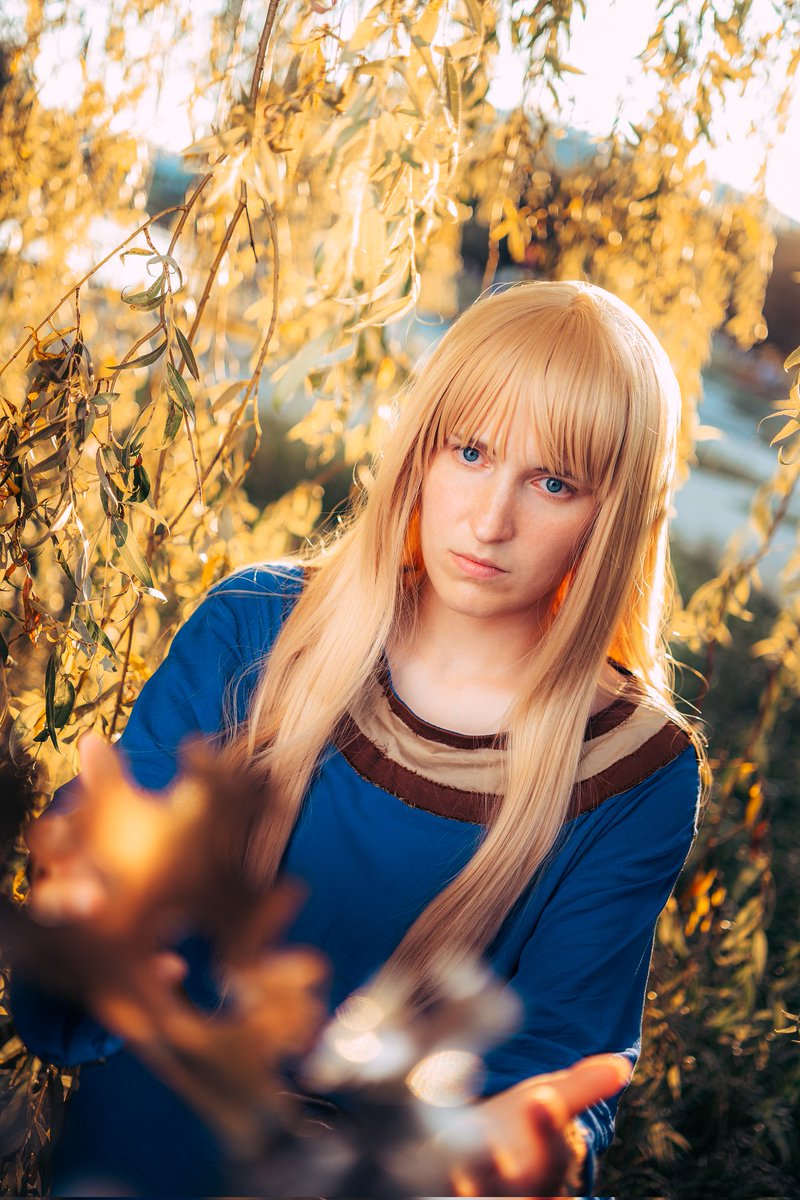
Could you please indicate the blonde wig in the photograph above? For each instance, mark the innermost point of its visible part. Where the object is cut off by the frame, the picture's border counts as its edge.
(604, 404)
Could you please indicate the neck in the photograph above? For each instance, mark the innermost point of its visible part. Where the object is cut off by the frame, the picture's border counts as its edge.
(488, 649)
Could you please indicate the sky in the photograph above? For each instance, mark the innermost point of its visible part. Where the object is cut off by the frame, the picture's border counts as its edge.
(604, 46)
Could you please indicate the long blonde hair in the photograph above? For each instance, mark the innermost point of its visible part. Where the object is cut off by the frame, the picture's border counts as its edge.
(604, 404)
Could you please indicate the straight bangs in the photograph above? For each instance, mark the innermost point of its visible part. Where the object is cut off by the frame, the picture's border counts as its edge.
(556, 369)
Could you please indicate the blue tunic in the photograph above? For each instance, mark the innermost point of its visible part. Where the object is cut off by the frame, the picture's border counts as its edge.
(576, 948)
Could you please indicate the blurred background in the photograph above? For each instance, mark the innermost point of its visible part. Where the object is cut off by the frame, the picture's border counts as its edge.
(228, 230)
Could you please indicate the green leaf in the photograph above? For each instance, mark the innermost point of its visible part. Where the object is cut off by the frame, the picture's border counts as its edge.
(50, 700)
(103, 399)
(99, 636)
(173, 421)
(188, 354)
(178, 388)
(130, 551)
(53, 460)
(108, 486)
(39, 435)
(152, 298)
(144, 360)
(135, 435)
(141, 485)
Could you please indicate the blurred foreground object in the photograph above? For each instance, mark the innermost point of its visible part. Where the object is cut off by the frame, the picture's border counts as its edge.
(119, 880)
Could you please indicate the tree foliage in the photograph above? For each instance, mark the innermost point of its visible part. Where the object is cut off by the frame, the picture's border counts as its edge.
(351, 147)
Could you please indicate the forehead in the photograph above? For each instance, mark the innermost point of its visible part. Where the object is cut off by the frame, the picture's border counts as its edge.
(515, 440)
(548, 401)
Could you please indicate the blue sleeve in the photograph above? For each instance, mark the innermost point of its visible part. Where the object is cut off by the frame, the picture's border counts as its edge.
(219, 647)
(583, 972)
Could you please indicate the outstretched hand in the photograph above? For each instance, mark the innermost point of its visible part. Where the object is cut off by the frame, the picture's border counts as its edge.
(523, 1137)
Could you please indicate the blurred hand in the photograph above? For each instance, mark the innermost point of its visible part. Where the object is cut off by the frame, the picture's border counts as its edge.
(521, 1135)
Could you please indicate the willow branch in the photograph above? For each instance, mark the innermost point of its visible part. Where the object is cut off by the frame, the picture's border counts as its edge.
(164, 212)
(252, 386)
(261, 53)
(125, 664)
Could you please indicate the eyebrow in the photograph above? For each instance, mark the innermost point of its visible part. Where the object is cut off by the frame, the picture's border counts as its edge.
(484, 449)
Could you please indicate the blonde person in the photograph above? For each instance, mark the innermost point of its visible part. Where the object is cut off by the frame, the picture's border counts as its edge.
(464, 704)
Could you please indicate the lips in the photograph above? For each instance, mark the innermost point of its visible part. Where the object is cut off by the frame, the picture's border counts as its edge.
(477, 568)
(484, 562)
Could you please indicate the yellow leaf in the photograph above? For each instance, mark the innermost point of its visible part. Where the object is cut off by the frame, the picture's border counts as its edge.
(367, 29)
(388, 311)
(760, 949)
(752, 810)
(425, 28)
(790, 427)
(674, 1081)
(465, 48)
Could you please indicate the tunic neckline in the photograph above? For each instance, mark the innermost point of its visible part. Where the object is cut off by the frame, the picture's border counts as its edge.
(601, 722)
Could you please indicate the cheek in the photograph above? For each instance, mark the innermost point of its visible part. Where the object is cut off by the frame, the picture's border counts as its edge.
(554, 539)
(437, 503)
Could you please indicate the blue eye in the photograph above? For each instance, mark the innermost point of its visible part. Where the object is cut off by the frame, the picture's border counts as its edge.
(471, 453)
(560, 483)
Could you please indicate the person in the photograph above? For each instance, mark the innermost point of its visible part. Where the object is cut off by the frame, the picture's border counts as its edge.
(463, 702)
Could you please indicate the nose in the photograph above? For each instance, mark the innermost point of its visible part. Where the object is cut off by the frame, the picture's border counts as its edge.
(494, 517)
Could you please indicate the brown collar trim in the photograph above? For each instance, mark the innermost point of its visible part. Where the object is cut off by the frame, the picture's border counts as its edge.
(604, 721)
(609, 718)
(369, 761)
(432, 733)
(656, 752)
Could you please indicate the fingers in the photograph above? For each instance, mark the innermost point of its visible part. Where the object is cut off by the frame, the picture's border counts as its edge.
(59, 896)
(63, 887)
(49, 837)
(101, 766)
(567, 1093)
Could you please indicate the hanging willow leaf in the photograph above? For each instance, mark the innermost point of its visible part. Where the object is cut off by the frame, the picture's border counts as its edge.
(99, 636)
(3, 649)
(147, 300)
(452, 90)
(135, 435)
(130, 551)
(141, 485)
(50, 702)
(53, 460)
(64, 701)
(144, 360)
(178, 389)
(110, 489)
(188, 354)
(38, 435)
(103, 399)
(173, 421)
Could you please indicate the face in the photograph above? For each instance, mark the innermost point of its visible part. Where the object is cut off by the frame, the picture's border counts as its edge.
(499, 534)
